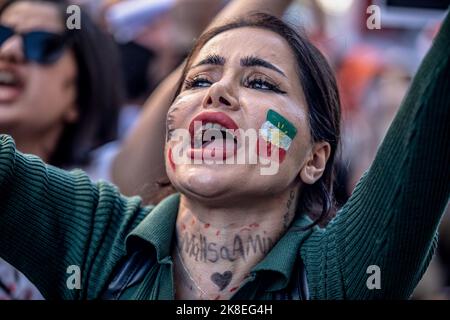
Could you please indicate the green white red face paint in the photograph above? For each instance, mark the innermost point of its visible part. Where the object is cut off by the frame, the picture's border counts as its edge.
(278, 134)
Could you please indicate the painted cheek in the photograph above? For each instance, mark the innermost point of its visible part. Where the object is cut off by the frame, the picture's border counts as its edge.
(264, 149)
(276, 135)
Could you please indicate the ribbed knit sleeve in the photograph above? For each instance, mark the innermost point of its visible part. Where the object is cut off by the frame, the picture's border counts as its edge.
(391, 219)
(52, 219)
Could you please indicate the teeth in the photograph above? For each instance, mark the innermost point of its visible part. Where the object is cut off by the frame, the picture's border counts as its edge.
(198, 136)
(210, 125)
(7, 78)
(198, 139)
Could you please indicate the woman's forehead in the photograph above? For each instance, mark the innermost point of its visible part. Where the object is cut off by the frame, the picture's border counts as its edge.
(235, 44)
(24, 16)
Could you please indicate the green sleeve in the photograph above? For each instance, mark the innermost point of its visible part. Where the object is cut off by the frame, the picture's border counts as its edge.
(392, 216)
(51, 219)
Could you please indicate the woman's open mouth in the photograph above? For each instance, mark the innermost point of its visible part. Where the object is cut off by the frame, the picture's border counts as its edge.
(214, 136)
(11, 86)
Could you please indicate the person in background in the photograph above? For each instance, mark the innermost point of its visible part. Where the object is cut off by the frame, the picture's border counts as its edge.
(135, 62)
(60, 93)
(154, 37)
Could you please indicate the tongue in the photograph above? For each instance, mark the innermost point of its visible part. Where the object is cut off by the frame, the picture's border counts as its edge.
(218, 147)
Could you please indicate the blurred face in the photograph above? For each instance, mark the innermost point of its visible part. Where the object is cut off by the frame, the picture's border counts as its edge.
(243, 78)
(34, 98)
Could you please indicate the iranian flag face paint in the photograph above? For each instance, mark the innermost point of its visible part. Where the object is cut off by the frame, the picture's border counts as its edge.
(277, 134)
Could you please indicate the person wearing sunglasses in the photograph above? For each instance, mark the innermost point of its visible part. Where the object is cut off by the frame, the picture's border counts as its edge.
(59, 89)
(41, 47)
(60, 92)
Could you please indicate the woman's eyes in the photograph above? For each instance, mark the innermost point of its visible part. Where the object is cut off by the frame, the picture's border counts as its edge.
(252, 83)
(197, 82)
(262, 84)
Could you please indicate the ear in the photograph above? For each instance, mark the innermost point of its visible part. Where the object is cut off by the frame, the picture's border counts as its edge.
(71, 115)
(316, 163)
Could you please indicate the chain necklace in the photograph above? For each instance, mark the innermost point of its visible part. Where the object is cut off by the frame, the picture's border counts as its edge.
(189, 274)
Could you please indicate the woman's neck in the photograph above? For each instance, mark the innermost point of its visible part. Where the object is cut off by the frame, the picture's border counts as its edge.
(217, 248)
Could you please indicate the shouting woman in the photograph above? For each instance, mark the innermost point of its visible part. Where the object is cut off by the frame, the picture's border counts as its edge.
(231, 232)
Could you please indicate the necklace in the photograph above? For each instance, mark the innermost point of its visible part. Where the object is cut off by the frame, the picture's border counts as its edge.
(189, 274)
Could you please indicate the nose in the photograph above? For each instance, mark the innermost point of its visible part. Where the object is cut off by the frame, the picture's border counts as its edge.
(220, 96)
(11, 50)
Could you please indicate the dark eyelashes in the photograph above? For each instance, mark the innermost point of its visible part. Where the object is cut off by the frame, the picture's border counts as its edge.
(188, 84)
(262, 82)
(192, 83)
(198, 82)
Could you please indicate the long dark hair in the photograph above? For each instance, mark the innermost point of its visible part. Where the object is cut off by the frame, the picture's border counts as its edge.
(321, 93)
(99, 90)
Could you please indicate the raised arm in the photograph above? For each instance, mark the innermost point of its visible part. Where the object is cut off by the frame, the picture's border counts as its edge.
(52, 219)
(391, 219)
(140, 164)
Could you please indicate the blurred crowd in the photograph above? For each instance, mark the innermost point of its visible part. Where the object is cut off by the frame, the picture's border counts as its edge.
(126, 47)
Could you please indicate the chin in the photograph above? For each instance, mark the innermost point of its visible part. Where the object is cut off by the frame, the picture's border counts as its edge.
(204, 182)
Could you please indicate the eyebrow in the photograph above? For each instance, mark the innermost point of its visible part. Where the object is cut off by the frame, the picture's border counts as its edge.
(249, 61)
(252, 61)
(213, 59)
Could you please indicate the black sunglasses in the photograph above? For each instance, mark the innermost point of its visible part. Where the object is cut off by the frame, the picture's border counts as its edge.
(42, 47)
